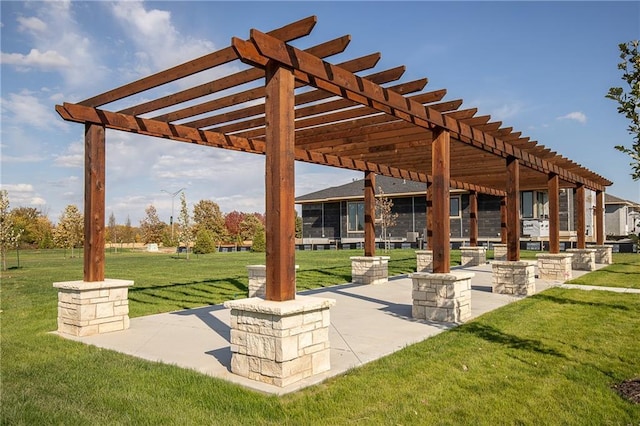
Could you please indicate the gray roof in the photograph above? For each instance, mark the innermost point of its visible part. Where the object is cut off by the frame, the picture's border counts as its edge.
(355, 189)
(610, 199)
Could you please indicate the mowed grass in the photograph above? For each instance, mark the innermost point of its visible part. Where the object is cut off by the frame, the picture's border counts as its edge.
(549, 359)
(624, 272)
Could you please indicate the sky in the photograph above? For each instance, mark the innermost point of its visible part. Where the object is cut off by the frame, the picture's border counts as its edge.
(542, 68)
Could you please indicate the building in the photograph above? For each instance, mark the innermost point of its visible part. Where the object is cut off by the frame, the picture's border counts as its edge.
(621, 217)
(336, 215)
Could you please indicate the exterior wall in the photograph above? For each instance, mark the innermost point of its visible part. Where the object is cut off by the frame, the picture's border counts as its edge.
(615, 216)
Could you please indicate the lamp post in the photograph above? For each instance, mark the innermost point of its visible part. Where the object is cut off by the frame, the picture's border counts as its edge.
(173, 196)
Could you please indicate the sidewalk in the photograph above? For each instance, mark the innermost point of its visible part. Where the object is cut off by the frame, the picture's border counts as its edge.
(367, 323)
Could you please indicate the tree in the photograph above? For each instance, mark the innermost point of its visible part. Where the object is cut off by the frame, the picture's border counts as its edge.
(113, 230)
(185, 234)
(249, 226)
(629, 103)
(151, 227)
(204, 242)
(298, 225)
(384, 215)
(259, 243)
(207, 216)
(69, 233)
(9, 235)
(128, 232)
(232, 222)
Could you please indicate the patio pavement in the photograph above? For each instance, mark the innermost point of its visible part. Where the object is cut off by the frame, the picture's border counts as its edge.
(367, 323)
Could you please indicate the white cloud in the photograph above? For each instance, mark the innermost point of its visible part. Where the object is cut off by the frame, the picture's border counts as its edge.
(576, 115)
(23, 194)
(25, 108)
(31, 24)
(160, 45)
(45, 60)
(22, 158)
(72, 157)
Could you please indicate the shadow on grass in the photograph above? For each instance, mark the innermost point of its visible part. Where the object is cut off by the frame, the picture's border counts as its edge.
(492, 334)
(567, 301)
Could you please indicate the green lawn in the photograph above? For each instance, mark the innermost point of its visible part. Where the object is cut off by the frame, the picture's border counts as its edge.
(624, 272)
(549, 359)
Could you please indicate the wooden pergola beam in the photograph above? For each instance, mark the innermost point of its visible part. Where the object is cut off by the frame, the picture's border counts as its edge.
(554, 213)
(441, 225)
(369, 214)
(94, 197)
(288, 32)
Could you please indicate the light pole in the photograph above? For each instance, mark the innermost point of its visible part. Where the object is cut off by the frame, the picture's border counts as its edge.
(173, 196)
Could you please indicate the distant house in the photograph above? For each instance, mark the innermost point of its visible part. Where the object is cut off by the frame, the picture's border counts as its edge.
(336, 214)
(622, 217)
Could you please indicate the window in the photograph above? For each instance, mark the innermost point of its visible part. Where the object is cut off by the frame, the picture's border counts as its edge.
(526, 204)
(542, 206)
(355, 218)
(454, 207)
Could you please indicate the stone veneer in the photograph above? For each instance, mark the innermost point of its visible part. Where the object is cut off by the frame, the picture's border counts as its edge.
(517, 278)
(424, 260)
(88, 308)
(369, 269)
(441, 297)
(258, 280)
(556, 267)
(473, 256)
(604, 254)
(280, 343)
(499, 252)
(583, 259)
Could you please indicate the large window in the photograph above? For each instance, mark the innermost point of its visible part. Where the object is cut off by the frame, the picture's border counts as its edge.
(454, 207)
(542, 205)
(355, 218)
(526, 204)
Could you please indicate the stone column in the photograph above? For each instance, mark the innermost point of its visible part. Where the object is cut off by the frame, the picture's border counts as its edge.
(369, 269)
(499, 252)
(555, 267)
(424, 260)
(473, 256)
(516, 278)
(280, 343)
(583, 259)
(604, 254)
(258, 280)
(442, 297)
(88, 308)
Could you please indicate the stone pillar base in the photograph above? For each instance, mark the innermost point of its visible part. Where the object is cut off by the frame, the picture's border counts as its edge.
(473, 256)
(500, 252)
(280, 343)
(424, 260)
(583, 259)
(88, 308)
(555, 267)
(369, 269)
(603, 254)
(441, 297)
(258, 280)
(517, 278)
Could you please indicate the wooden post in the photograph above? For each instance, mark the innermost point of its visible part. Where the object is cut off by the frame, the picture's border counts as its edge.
(513, 209)
(580, 217)
(369, 214)
(473, 219)
(553, 185)
(600, 218)
(280, 183)
(503, 220)
(94, 191)
(429, 237)
(441, 226)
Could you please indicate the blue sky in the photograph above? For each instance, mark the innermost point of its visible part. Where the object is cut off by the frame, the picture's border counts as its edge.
(540, 67)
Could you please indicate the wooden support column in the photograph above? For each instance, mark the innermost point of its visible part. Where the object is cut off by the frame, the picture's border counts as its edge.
(429, 237)
(600, 218)
(513, 209)
(369, 214)
(441, 226)
(503, 220)
(473, 219)
(94, 196)
(280, 183)
(553, 185)
(580, 217)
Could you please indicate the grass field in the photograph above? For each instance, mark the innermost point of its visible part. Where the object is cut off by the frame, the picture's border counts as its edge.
(549, 359)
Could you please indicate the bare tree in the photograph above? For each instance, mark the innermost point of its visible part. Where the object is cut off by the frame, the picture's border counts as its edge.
(9, 235)
(385, 217)
(186, 230)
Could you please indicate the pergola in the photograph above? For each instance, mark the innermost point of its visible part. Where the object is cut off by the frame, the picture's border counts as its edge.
(340, 115)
